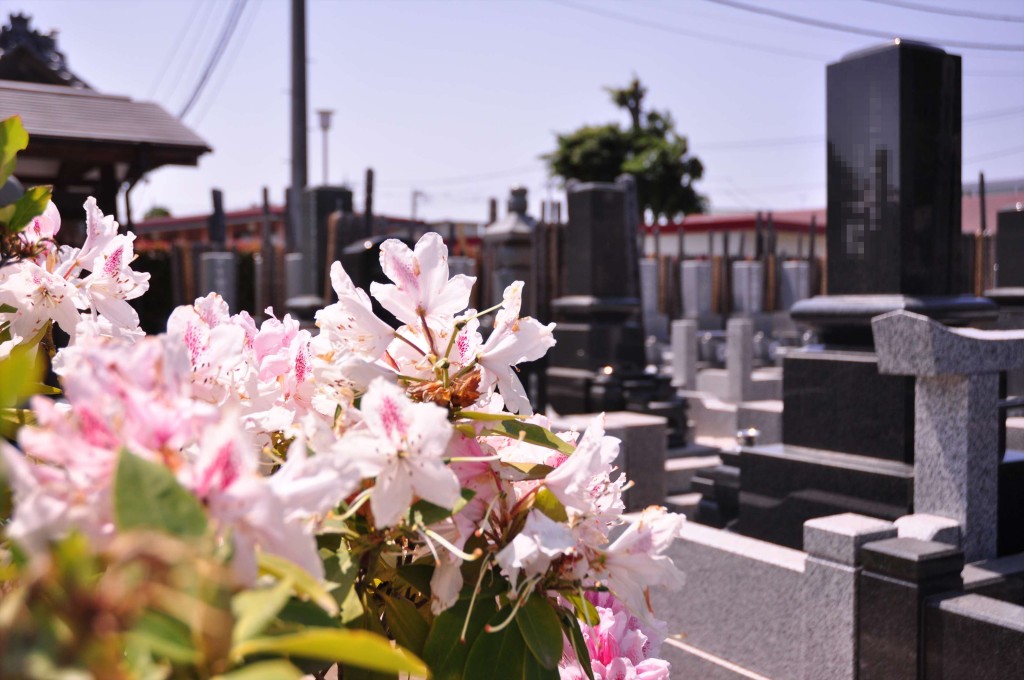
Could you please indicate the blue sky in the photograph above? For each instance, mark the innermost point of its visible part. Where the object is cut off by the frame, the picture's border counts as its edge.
(459, 99)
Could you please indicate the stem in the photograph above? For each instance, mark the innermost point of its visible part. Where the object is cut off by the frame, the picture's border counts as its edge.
(426, 332)
(472, 600)
(359, 501)
(520, 599)
(410, 343)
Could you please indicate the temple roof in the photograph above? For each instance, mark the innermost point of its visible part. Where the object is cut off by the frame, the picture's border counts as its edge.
(30, 56)
(60, 112)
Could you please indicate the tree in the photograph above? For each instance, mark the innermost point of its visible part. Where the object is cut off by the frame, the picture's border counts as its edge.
(651, 150)
(157, 211)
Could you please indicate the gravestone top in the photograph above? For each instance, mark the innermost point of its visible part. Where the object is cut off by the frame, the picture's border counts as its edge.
(912, 344)
(893, 130)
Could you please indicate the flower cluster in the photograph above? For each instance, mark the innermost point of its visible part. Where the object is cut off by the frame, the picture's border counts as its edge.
(53, 284)
(414, 447)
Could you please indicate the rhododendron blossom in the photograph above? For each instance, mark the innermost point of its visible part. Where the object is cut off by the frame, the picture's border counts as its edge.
(50, 287)
(397, 457)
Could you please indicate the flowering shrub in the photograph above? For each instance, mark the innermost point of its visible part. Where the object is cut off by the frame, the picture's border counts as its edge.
(227, 498)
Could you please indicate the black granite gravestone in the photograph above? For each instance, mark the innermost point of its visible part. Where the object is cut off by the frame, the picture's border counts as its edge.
(893, 239)
(1010, 248)
(598, 361)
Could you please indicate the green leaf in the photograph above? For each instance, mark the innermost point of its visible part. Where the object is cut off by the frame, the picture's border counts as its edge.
(541, 630)
(503, 655)
(481, 415)
(7, 309)
(19, 372)
(147, 496)
(416, 576)
(264, 670)
(29, 205)
(13, 138)
(350, 647)
(585, 609)
(521, 472)
(304, 582)
(255, 609)
(405, 623)
(341, 570)
(444, 652)
(532, 434)
(165, 636)
(548, 503)
(423, 513)
(579, 644)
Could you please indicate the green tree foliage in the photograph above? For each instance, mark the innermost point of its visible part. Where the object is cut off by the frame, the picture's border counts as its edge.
(157, 211)
(650, 149)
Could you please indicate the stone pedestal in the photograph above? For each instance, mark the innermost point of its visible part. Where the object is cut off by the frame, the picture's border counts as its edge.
(684, 354)
(898, 575)
(956, 447)
(218, 273)
(739, 358)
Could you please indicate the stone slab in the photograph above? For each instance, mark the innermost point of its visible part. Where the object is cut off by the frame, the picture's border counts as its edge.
(929, 528)
(839, 537)
(741, 601)
(785, 486)
(764, 416)
(641, 455)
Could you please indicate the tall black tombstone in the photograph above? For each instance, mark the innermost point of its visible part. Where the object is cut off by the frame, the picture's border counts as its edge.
(598, 361)
(893, 239)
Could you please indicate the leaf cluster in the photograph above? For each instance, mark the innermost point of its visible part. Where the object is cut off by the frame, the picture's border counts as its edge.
(651, 150)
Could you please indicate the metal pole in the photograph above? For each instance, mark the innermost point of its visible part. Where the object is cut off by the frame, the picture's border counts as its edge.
(298, 113)
(325, 156)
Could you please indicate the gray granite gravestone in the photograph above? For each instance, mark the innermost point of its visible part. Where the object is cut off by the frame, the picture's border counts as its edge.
(893, 129)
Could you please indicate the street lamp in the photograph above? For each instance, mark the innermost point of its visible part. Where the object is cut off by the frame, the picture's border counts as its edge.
(325, 125)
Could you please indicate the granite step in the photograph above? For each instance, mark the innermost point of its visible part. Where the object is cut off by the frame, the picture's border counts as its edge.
(683, 503)
(679, 472)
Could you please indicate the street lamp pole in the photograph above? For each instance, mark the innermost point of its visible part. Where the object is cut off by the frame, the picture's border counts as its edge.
(325, 125)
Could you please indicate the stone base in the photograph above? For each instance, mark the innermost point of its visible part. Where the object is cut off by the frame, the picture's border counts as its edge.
(784, 486)
(846, 319)
(574, 390)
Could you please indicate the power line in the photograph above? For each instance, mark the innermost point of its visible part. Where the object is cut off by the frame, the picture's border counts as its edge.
(989, 115)
(204, 18)
(218, 51)
(845, 28)
(232, 58)
(995, 154)
(465, 179)
(675, 30)
(917, 7)
(186, 28)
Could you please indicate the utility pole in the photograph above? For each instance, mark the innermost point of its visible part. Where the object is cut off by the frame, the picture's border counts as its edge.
(416, 196)
(298, 91)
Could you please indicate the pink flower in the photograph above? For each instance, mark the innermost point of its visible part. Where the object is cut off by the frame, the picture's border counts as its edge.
(620, 646)
(421, 286)
(44, 226)
(350, 322)
(514, 340)
(403, 445)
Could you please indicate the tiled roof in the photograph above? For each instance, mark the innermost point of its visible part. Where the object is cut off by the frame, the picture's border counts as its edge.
(76, 114)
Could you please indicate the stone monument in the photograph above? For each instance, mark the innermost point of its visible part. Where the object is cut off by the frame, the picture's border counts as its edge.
(893, 235)
(598, 363)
